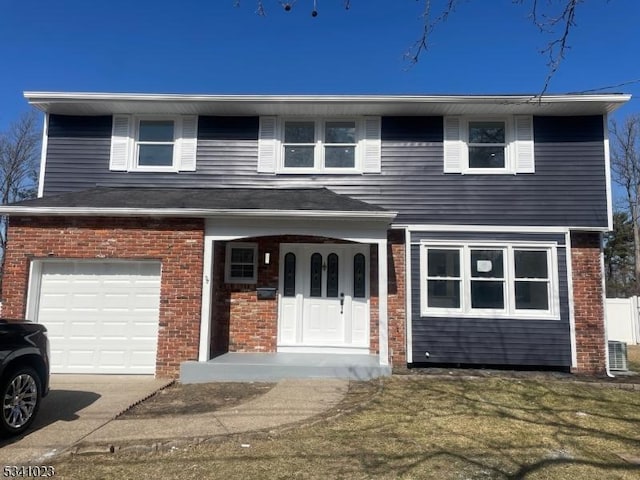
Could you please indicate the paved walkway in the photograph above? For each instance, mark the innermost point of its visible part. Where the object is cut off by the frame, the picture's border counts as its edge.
(76, 406)
(288, 402)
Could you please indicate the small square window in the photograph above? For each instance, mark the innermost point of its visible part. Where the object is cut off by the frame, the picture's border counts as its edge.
(241, 263)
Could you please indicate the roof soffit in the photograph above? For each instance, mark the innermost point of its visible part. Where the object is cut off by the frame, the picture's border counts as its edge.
(297, 105)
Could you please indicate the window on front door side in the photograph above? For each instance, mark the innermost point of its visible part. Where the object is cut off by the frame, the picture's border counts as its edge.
(241, 263)
(155, 143)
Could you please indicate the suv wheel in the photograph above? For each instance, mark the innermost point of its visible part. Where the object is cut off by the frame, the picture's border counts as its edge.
(20, 394)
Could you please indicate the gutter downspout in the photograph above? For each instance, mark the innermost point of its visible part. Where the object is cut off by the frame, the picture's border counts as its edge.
(604, 309)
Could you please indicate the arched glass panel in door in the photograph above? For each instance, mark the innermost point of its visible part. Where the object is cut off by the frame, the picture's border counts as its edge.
(290, 275)
(332, 275)
(359, 276)
(316, 275)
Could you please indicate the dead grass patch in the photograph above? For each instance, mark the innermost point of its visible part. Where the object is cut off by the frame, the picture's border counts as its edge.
(418, 427)
(179, 399)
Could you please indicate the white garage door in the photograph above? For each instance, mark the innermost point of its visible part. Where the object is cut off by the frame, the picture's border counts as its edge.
(102, 316)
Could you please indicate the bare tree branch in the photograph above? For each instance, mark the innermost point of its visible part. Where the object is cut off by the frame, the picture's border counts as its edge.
(429, 24)
(625, 166)
(557, 48)
(554, 18)
(19, 153)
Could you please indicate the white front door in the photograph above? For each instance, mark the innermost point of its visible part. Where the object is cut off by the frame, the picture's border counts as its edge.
(324, 298)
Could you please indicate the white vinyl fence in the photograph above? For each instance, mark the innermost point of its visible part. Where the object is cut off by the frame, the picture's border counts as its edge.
(623, 320)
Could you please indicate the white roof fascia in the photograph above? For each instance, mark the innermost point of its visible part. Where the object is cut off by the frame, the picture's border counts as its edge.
(195, 212)
(111, 103)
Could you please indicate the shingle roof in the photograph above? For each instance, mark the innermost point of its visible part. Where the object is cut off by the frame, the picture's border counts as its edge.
(213, 199)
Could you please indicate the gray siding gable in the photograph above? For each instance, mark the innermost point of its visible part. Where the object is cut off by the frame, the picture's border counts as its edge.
(568, 188)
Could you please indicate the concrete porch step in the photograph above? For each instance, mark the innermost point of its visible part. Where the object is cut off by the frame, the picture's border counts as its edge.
(269, 367)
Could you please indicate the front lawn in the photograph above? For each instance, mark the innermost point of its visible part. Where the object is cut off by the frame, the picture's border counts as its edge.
(421, 427)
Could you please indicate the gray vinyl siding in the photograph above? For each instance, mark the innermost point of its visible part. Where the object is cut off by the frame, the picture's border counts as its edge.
(568, 188)
(490, 341)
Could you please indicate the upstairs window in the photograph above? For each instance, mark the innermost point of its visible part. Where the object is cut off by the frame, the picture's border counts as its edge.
(303, 145)
(487, 144)
(340, 144)
(319, 145)
(491, 145)
(299, 144)
(154, 144)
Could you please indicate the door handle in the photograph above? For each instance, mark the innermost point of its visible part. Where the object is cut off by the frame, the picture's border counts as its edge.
(341, 303)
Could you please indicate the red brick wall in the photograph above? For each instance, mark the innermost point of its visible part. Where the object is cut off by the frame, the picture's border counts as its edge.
(374, 310)
(242, 323)
(588, 303)
(396, 299)
(177, 243)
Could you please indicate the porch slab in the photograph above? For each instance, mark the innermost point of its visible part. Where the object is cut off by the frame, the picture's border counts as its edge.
(270, 367)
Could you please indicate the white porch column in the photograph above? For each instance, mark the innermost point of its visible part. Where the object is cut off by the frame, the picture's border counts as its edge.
(383, 320)
(205, 312)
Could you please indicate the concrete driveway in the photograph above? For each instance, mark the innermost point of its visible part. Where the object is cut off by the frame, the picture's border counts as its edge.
(76, 406)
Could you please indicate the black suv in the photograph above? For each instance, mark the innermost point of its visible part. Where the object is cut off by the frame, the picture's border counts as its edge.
(24, 373)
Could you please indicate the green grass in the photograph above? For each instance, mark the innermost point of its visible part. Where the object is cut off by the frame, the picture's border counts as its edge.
(421, 428)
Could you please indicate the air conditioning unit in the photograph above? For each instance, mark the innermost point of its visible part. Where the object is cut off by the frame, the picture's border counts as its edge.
(618, 356)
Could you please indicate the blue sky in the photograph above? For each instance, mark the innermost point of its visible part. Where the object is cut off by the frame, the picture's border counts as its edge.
(208, 46)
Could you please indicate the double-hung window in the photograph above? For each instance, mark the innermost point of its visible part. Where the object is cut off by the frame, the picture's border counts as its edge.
(487, 142)
(489, 145)
(509, 280)
(532, 279)
(487, 279)
(303, 145)
(320, 145)
(154, 143)
(443, 278)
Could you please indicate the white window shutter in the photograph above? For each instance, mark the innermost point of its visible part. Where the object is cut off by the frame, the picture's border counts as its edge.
(188, 144)
(372, 151)
(525, 162)
(120, 143)
(267, 145)
(454, 146)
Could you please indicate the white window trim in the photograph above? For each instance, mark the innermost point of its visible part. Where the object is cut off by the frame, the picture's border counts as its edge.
(319, 144)
(519, 139)
(123, 156)
(134, 154)
(227, 262)
(510, 311)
